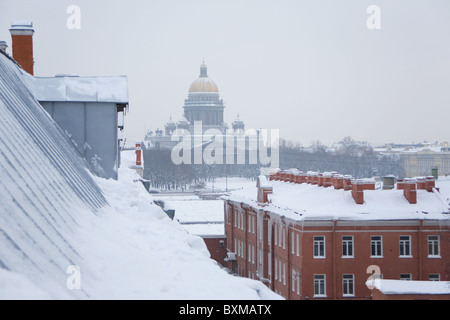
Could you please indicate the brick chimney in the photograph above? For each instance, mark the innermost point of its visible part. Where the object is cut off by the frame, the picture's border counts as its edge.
(358, 191)
(430, 183)
(138, 154)
(409, 191)
(264, 189)
(22, 44)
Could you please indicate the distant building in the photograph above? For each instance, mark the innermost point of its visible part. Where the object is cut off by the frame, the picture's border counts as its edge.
(89, 110)
(322, 235)
(203, 122)
(420, 159)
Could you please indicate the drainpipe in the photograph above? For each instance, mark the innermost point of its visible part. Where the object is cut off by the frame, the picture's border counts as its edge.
(420, 245)
(334, 261)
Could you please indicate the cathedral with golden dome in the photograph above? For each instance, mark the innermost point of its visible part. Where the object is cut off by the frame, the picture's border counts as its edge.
(203, 105)
(200, 145)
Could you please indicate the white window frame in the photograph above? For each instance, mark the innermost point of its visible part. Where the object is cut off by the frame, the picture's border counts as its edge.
(434, 277)
(404, 246)
(321, 281)
(348, 245)
(435, 245)
(348, 285)
(378, 243)
(292, 242)
(319, 243)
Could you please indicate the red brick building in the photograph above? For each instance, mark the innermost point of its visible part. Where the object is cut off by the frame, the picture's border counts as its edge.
(321, 236)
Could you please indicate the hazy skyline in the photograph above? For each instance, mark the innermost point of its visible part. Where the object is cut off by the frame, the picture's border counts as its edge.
(309, 68)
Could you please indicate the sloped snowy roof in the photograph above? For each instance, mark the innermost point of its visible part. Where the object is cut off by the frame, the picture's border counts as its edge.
(75, 88)
(45, 187)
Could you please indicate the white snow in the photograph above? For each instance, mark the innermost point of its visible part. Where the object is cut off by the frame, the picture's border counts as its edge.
(74, 88)
(410, 287)
(133, 251)
(307, 201)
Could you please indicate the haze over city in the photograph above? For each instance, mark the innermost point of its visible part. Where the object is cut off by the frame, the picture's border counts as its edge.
(312, 69)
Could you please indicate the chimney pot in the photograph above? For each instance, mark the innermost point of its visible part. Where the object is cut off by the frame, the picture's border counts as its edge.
(3, 45)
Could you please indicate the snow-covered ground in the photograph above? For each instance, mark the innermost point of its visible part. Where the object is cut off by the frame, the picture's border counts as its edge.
(203, 217)
(132, 250)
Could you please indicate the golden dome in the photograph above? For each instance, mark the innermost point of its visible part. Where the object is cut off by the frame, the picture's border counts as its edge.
(203, 83)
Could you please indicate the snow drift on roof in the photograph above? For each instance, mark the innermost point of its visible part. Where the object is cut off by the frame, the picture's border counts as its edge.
(74, 88)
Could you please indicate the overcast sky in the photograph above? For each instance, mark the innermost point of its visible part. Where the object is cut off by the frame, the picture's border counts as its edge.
(312, 69)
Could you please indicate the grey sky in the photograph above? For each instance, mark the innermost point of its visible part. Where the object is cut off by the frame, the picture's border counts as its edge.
(309, 68)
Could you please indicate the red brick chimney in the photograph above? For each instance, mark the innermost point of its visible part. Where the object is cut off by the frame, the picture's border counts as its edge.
(22, 44)
(358, 191)
(429, 183)
(264, 189)
(138, 154)
(409, 191)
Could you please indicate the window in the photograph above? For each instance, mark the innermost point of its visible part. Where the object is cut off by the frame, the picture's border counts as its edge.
(292, 242)
(298, 245)
(253, 224)
(319, 285)
(376, 247)
(434, 277)
(295, 281)
(405, 276)
(347, 246)
(405, 246)
(279, 270)
(276, 269)
(253, 254)
(280, 235)
(283, 233)
(319, 247)
(275, 236)
(433, 246)
(348, 285)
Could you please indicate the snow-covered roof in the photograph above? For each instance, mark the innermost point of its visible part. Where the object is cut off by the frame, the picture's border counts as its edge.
(45, 187)
(410, 287)
(312, 202)
(74, 88)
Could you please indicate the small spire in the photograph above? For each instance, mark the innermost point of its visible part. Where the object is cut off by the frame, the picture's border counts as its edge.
(203, 70)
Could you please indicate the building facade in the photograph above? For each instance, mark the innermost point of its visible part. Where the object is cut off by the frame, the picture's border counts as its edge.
(313, 254)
